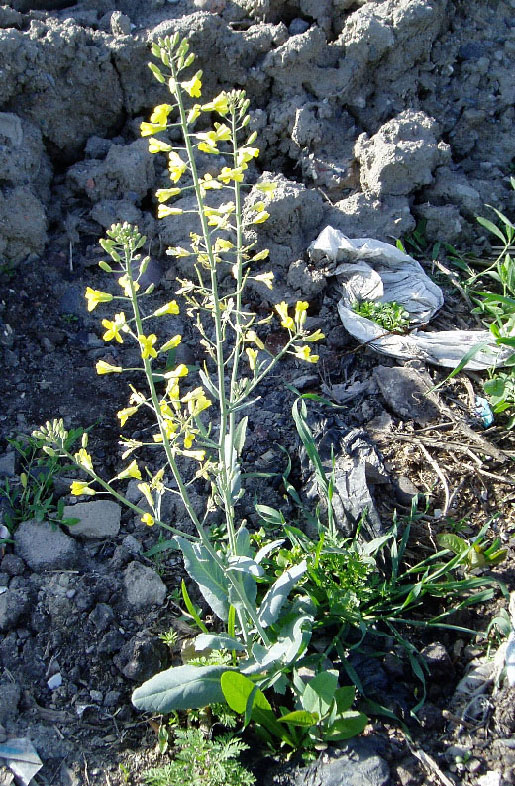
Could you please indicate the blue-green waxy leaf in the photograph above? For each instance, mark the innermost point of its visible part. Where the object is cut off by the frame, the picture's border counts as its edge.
(319, 693)
(206, 572)
(221, 641)
(273, 601)
(180, 688)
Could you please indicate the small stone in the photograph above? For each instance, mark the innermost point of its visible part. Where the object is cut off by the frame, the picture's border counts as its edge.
(45, 547)
(439, 662)
(102, 617)
(357, 763)
(13, 605)
(110, 643)
(143, 586)
(120, 24)
(112, 698)
(12, 565)
(97, 696)
(405, 391)
(55, 681)
(132, 545)
(142, 657)
(99, 519)
(3, 734)
(405, 490)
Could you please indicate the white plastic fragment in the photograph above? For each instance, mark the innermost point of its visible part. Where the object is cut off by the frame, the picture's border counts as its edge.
(510, 659)
(21, 757)
(376, 271)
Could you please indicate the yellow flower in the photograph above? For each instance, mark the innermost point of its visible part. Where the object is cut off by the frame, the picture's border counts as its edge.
(171, 343)
(106, 368)
(169, 308)
(84, 459)
(197, 401)
(178, 251)
(145, 490)
(176, 166)
(147, 519)
(147, 346)
(304, 353)
(252, 355)
(193, 86)
(261, 217)
(316, 336)
(163, 211)
(180, 371)
(251, 335)
(246, 154)
(266, 279)
(266, 188)
(208, 183)
(79, 487)
(125, 284)
(188, 439)
(218, 104)
(193, 113)
(149, 129)
(227, 174)
(286, 321)
(132, 471)
(222, 132)
(198, 455)
(164, 194)
(160, 114)
(94, 297)
(223, 245)
(113, 328)
(157, 146)
(301, 307)
(125, 414)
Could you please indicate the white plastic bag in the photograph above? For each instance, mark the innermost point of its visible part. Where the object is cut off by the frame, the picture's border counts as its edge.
(371, 270)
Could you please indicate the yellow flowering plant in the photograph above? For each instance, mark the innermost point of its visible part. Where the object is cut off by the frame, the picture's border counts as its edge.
(237, 360)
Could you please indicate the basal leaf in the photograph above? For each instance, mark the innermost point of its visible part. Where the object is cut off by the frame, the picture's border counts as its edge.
(273, 601)
(180, 688)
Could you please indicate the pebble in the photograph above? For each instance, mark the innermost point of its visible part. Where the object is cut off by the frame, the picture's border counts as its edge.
(143, 586)
(45, 547)
(99, 519)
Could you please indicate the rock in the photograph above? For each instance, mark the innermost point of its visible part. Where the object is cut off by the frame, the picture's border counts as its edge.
(101, 617)
(24, 224)
(99, 519)
(401, 156)
(9, 17)
(357, 763)
(120, 24)
(405, 490)
(142, 657)
(23, 158)
(8, 464)
(111, 642)
(296, 214)
(13, 605)
(439, 662)
(126, 169)
(44, 546)
(361, 215)
(298, 26)
(143, 586)
(10, 695)
(442, 223)
(307, 281)
(114, 211)
(12, 565)
(405, 390)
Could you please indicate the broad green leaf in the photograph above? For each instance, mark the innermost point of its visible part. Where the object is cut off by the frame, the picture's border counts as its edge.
(274, 599)
(237, 689)
(221, 641)
(205, 571)
(243, 542)
(452, 542)
(318, 695)
(345, 697)
(270, 515)
(180, 688)
(300, 718)
(345, 727)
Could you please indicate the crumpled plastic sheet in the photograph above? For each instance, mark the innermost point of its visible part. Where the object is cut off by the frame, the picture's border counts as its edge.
(368, 269)
(21, 757)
